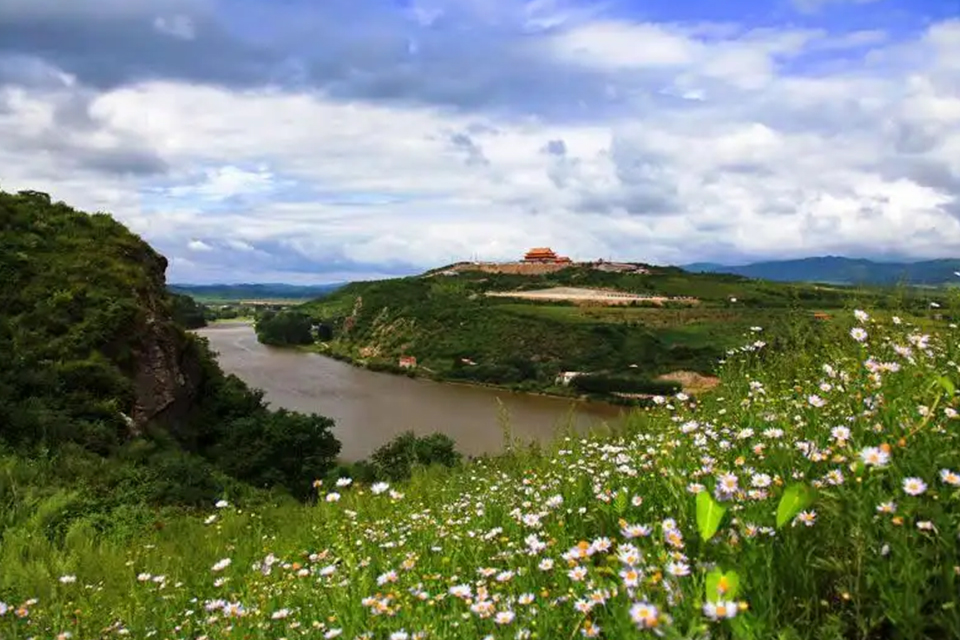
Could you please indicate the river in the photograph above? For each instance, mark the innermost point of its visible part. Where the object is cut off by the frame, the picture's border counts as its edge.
(370, 408)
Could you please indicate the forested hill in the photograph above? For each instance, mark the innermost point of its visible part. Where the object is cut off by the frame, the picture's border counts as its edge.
(833, 269)
(458, 328)
(99, 383)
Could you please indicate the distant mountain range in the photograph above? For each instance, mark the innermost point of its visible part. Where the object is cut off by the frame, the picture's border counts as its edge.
(270, 291)
(838, 270)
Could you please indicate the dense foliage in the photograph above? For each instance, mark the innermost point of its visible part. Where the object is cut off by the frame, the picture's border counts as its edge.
(600, 384)
(397, 459)
(284, 328)
(187, 312)
(815, 496)
(457, 332)
(100, 381)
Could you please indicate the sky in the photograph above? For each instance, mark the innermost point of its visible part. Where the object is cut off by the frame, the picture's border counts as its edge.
(321, 141)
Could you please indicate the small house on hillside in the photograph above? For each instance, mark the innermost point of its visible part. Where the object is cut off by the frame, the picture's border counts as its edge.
(408, 362)
(566, 377)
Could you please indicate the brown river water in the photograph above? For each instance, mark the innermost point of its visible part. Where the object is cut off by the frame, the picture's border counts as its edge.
(370, 408)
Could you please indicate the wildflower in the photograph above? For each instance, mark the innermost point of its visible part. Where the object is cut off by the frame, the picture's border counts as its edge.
(720, 610)
(631, 577)
(874, 456)
(577, 574)
(210, 519)
(926, 525)
(816, 401)
(460, 591)
(914, 486)
(840, 434)
(222, 504)
(858, 334)
(834, 477)
(678, 569)
(949, 477)
(280, 614)
(887, 507)
(526, 598)
(332, 633)
(379, 487)
(629, 555)
(504, 617)
(645, 615)
(221, 565)
(861, 315)
(806, 517)
(760, 480)
(4, 607)
(590, 630)
(546, 564)
(333, 496)
(344, 482)
(68, 579)
(389, 576)
(727, 483)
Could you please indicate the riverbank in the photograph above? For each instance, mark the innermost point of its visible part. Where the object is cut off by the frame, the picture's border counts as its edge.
(634, 400)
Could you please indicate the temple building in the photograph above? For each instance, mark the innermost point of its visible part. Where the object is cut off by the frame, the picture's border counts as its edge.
(545, 255)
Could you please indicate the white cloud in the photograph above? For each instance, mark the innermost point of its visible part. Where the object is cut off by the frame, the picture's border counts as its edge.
(199, 245)
(860, 158)
(177, 26)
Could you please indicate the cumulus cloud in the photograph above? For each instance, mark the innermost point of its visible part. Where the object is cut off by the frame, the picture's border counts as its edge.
(552, 123)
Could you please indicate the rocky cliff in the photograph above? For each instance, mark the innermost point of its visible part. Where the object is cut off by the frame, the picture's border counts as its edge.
(84, 309)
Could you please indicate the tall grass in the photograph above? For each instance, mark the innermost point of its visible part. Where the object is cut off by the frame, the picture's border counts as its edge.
(814, 495)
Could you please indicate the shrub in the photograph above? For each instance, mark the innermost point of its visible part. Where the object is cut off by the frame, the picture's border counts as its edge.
(396, 459)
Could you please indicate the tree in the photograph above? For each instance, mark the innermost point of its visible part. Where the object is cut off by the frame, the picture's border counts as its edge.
(285, 328)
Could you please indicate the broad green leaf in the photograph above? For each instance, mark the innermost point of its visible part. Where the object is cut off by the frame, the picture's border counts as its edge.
(709, 514)
(795, 499)
(947, 385)
(722, 586)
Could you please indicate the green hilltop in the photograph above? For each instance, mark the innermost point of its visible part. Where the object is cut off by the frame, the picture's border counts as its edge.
(459, 329)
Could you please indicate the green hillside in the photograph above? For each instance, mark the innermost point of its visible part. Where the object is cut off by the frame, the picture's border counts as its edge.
(457, 332)
(109, 408)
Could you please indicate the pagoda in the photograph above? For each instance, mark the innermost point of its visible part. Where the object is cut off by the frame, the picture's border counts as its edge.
(541, 254)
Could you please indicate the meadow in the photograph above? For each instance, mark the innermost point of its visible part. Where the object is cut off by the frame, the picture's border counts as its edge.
(814, 494)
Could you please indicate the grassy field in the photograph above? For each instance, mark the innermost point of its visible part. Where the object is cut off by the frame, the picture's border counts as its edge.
(815, 495)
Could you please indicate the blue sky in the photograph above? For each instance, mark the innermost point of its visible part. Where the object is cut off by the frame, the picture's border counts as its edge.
(322, 141)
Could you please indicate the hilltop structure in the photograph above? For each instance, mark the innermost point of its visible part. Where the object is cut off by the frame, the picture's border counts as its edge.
(545, 255)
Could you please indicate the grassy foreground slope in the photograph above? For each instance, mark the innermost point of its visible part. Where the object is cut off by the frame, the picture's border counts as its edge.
(816, 495)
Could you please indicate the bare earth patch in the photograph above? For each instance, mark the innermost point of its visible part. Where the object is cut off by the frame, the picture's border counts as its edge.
(691, 381)
(587, 295)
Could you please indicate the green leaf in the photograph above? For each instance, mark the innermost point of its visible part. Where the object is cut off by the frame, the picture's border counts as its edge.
(947, 385)
(620, 503)
(741, 628)
(795, 499)
(709, 514)
(722, 586)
